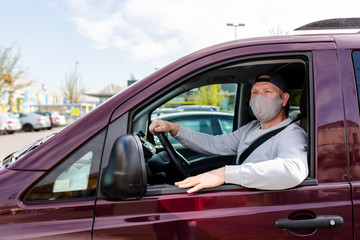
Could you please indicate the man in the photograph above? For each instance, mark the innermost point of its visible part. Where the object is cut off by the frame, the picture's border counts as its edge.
(278, 163)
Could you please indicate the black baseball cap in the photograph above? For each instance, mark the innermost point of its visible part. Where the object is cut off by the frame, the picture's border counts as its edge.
(273, 78)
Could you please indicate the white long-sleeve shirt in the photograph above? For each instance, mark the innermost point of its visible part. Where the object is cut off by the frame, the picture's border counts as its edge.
(278, 163)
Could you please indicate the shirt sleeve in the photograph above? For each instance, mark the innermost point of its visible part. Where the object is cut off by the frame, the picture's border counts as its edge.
(288, 169)
(222, 145)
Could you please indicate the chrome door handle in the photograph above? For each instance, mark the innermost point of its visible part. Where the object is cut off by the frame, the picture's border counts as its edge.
(323, 221)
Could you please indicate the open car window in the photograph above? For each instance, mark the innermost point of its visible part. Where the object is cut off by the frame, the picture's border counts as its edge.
(214, 101)
(207, 109)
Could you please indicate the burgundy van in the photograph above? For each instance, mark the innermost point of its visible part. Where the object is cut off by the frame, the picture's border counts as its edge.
(102, 177)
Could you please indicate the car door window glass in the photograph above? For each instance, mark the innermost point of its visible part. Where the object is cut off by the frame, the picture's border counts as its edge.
(199, 125)
(356, 60)
(76, 177)
(226, 125)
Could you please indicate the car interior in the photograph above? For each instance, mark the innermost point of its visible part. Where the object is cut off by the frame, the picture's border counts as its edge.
(168, 162)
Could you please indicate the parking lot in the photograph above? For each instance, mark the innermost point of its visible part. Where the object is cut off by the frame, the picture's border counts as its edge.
(12, 142)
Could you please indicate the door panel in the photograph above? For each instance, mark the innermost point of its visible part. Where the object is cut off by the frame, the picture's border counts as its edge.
(231, 214)
(350, 72)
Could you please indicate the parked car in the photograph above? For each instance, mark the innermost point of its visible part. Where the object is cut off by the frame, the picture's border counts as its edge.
(2, 129)
(92, 180)
(56, 119)
(196, 108)
(33, 121)
(210, 122)
(163, 111)
(47, 115)
(10, 122)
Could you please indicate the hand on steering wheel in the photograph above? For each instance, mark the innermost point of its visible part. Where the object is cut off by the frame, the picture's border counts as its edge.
(173, 155)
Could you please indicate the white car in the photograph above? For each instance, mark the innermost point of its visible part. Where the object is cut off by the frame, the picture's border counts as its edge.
(33, 121)
(58, 119)
(10, 122)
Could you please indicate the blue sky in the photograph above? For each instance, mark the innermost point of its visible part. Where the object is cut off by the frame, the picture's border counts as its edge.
(111, 39)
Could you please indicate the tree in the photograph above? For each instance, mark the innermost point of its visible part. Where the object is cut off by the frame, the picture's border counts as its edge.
(278, 31)
(11, 75)
(73, 87)
(209, 95)
(111, 89)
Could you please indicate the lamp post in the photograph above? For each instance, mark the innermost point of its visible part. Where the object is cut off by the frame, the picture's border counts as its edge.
(76, 75)
(235, 26)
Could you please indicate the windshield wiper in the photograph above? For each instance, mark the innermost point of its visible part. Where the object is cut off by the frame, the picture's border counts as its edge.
(22, 152)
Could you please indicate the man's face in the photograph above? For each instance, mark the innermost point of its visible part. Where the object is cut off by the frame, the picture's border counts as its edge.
(266, 89)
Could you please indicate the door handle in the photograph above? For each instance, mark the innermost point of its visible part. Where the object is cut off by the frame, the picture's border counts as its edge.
(322, 221)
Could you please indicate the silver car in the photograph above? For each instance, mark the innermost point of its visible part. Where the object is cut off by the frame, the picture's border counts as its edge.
(9, 122)
(33, 121)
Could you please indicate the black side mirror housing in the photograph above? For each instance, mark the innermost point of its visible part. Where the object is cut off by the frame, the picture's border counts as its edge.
(125, 175)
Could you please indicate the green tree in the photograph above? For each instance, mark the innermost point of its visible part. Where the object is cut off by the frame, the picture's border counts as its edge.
(209, 95)
(11, 75)
(73, 88)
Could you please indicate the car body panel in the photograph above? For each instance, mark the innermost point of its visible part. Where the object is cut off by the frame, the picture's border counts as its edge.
(226, 212)
(346, 68)
(39, 221)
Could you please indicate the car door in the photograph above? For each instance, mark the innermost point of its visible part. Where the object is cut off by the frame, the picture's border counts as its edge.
(349, 60)
(58, 204)
(319, 208)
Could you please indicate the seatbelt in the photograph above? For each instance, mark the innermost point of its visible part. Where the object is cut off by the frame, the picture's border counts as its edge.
(261, 140)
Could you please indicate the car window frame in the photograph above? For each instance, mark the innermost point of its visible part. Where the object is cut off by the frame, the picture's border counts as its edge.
(238, 121)
(65, 164)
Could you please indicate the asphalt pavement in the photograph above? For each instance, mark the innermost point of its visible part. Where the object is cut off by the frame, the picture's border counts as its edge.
(10, 143)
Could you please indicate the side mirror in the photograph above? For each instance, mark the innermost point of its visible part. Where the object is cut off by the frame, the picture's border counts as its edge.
(125, 175)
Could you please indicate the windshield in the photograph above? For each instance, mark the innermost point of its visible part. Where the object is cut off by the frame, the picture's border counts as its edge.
(9, 160)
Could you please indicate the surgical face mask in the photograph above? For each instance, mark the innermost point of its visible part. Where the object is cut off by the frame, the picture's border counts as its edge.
(265, 108)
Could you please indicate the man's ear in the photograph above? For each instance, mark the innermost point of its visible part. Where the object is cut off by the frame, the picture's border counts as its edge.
(285, 98)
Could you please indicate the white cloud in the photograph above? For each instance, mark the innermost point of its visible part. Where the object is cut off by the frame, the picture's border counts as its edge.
(152, 30)
(101, 31)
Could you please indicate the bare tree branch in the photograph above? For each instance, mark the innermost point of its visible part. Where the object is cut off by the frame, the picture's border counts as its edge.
(73, 87)
(11, 74)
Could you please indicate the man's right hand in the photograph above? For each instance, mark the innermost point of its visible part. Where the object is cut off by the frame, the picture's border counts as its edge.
(163, 126)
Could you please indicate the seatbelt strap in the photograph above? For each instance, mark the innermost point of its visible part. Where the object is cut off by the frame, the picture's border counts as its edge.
(261, 140)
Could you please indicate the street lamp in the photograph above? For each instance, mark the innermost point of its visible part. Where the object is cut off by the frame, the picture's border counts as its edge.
(76, 75)
(235, 26)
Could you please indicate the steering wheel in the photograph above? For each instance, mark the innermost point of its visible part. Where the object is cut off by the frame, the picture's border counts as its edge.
(175, 159)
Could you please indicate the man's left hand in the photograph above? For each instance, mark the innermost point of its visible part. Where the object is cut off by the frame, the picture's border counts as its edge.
(209, 179)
